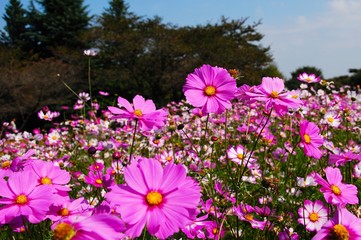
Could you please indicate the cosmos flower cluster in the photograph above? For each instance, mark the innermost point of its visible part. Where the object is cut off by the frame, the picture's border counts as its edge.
(227, 162)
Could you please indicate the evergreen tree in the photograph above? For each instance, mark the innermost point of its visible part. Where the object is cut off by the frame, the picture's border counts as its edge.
(15, 19)
(63, 22)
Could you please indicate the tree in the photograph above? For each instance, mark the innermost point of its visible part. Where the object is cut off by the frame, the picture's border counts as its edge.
(15, 19)
(60, 24)
(148, 57)
(294, 83)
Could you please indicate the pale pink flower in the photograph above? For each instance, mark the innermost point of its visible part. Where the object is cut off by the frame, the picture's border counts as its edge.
(313, 215)
(143, 111)
(272, 92)
(308, 78)
(344, 225)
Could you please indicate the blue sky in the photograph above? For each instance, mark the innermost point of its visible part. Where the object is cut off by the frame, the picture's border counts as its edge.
(321, 33)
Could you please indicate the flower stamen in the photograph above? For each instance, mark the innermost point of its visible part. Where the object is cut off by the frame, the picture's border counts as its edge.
(307, 138)
(154, 198)
(210, 90)
(21, 199)
(314, 217)
(336, 190)
(138, 113)
(340, 232)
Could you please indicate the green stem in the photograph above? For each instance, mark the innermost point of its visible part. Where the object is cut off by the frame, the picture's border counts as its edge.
(89, 82)
(133, 140)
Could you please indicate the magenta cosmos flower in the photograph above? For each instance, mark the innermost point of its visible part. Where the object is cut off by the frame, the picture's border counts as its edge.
(311, 139)
(308, 78)
(334, 191)
(81, 227)
(344, 225)
(272, 92)
(21, 196)
(164, 200)
(144, 111)
(313, 215)
(210, 88)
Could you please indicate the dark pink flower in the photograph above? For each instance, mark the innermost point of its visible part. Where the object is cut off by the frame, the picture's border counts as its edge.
(144, 111)
(311, 139)
(163, 200)
(210, 88)
(334, 191)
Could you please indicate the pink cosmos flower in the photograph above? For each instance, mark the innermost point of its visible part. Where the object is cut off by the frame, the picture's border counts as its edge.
(342, 158)
(68, 208)
(313, 215)
(332, 119)
(164, 200)
(21, 196)
(246, 213)
(237, 155)
(210, 88)
(334, 191)
(144, 111)
(308, 78)
(344, 225)
(272, 92)
(311, 139)
(49, 174)
(81, 227)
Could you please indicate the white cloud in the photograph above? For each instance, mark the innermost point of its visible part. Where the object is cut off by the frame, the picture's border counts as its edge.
(329, 40)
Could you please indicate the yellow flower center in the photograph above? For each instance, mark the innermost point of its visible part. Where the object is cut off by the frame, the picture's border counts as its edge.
(330, 119)
(45, 180)
(336, 190)
(339, 232)
(5, 164)
(307, 138)
(210, 91)
(21, 199)
(215, 231)
(154, 198)
(138, 113)
(98, 181)
(63, 231)
(314, 217)
(240, 156)
(274, 94)
(63, 212)
(249, 217)
(169, 158)
(308, 79)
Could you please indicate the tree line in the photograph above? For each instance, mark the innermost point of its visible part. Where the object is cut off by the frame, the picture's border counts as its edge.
(42, 54)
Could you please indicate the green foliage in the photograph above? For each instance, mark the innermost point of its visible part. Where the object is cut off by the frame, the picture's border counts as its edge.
(15, 18)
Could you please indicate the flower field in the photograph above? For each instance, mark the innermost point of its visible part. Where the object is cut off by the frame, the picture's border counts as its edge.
(228, 162)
